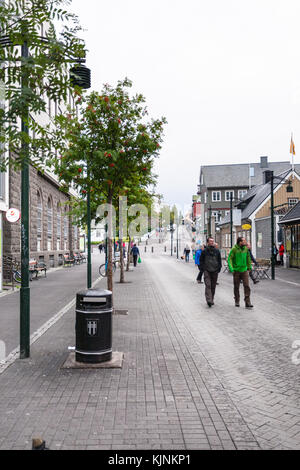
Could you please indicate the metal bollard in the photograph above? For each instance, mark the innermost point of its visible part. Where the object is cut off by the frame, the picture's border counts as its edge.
(145, 249)
(152, 249)
(165, 249)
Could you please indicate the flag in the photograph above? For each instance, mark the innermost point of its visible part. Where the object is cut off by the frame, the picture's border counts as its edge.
(292, 147)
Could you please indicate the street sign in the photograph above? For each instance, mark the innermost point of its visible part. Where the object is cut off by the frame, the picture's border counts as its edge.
(236, 216)
(13, 215)
(246, 227)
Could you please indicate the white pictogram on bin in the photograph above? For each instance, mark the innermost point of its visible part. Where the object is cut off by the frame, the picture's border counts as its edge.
(92, 327)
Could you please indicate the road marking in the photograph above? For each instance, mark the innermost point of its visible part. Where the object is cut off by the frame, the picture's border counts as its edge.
(14, 355)
(288, 282)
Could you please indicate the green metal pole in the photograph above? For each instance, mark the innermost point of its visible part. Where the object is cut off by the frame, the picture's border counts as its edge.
(231, 237)
(25, 290)
(89, 263)
(272, 228)
(177, 247)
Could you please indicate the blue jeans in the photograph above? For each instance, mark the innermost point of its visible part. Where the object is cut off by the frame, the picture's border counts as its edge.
(187, 256)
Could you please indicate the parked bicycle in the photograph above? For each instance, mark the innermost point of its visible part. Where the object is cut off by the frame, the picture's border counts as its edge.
(103, 267)
(12, 269)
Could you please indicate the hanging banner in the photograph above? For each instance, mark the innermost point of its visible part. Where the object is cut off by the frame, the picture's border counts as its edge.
(236, 216)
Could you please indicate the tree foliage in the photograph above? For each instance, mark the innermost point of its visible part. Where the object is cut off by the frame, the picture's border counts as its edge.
(29, 83)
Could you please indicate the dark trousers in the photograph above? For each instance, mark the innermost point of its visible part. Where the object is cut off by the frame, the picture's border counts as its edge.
(281, 260)
(135, 259)
(199, 277)
(237, 278)
(210, 280)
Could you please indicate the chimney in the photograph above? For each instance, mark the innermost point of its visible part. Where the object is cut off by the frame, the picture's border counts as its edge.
(267, 174)
(264, 162)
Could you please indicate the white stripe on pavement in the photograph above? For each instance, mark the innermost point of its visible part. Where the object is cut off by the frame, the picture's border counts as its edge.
(14, 355)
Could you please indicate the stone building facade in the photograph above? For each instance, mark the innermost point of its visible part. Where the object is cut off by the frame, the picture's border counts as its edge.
(52, 233)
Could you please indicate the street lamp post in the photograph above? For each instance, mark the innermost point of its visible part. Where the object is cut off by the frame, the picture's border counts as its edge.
(177, 247)
(231, 234)
(25, 289)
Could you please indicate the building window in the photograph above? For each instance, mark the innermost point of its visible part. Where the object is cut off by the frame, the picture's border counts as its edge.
(50, 225)
(66, 229)
(216, 196)
(2, 186)
(39, 221)
(228, 195)
(293, 201)
(242, 193)
(216, 215)
(58, 227)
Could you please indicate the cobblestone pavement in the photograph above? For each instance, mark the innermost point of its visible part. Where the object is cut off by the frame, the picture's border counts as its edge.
(192, 377)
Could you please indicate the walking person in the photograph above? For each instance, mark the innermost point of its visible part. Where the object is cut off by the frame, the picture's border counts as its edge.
(186, 253)
(211, 263)
(100, 246)
(135, 252)
(281, 252)
(251, 273)
(239, 263)
(197, 263)
(275, 253)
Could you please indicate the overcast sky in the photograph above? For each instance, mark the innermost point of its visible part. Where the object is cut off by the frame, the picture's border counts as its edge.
(225, 74)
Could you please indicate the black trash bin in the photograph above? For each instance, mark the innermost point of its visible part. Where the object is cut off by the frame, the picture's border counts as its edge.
(93, 326)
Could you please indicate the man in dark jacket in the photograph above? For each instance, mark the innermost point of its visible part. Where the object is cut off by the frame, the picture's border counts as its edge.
(211, 263)
(135, 253)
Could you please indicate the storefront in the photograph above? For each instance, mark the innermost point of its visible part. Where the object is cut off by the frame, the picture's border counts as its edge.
(291, 225)
(292, 243)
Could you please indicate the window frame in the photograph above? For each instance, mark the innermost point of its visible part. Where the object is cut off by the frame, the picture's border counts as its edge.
(212, 196)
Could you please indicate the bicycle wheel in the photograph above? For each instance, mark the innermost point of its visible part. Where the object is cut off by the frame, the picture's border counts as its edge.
(103, 270)
(17, 276)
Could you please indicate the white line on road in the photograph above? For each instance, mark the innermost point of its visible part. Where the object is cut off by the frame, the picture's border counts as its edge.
(14, 355)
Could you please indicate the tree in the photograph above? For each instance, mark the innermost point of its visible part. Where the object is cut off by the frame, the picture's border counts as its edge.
(29, 82)
(109, 149)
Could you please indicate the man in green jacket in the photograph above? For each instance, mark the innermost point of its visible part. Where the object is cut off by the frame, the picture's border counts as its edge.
(239, 263)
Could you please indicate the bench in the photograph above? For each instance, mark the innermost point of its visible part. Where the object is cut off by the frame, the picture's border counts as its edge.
(35, 267)
(68, 261)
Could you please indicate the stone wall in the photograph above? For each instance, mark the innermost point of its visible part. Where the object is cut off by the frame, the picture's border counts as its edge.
(48, 190)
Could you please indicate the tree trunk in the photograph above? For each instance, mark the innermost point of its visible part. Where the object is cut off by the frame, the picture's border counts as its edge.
(128, 254)
(122, 280)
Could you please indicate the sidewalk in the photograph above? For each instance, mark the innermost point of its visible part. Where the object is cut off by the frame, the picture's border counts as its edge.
(192, 377)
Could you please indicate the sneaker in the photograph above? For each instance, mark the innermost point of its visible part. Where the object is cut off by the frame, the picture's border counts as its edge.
(256, 281)
(249, 306)
(237, 304)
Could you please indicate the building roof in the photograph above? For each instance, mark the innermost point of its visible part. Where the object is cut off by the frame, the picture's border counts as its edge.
(292, 216)
(255, 197)
(237, 175)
